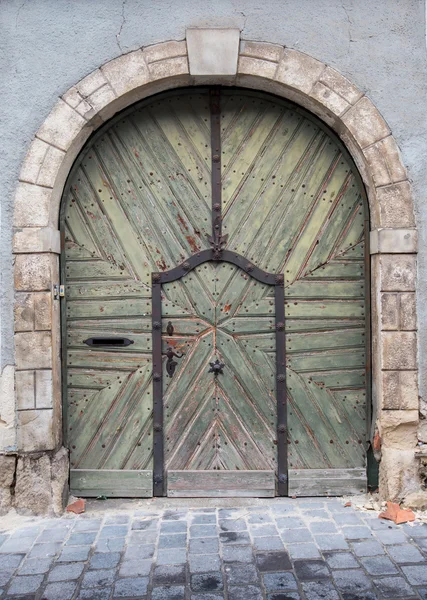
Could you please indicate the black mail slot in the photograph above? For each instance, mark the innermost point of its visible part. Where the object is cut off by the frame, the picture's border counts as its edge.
(108, 341)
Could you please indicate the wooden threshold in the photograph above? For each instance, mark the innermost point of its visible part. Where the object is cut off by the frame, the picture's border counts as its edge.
(91, 483)
(327, 482)
(205, 484)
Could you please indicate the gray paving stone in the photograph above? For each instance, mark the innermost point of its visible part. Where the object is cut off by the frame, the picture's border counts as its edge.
(104, 560)
(229, 513)
(233, 525)
(57, 534)
(81, 539)
(268, 543)
(417, 530)
(421, 543)
(203, 563)
(279, 581)
(149, 524)
(331, 541)
(380, 524)
(112, 531)
(203, 519)
(45, 550)
(423, 593)
(87, 525)
(35, 566)
(173, 515)
(355, 532)
(238, 574)
(262, 530)
(25, 584)
(117, 520)
(144, 537)
(141, 551)
(110, 545)
(284, 596)
(173, 592)
(405, 553)
(241, 554)
(203, 531)
(341, 560)
(6, 575)
(135, 568)
(169, 575)
(95, 594)
(260, 517)
(393, 587)
(282, 509)
(206, 596)
(296, 536)
(63, 590)
(379, 565)
(66, 572)
(351, 581)
(234, 537)
(14, 545)
(366, 595)
(416, 575)
(391, 536)
(204, 546)
(290, 522)
(173, 527)
(319, 590)
(248, 592)
(131, 587)
(207, 582)
(173, 540)
(323, 527)
(171, 556)
(305, 550)
(100, 578)
(3, 538)
(273, 561)
(11, 561)
(370, 548)
(311, 569)
(347, 519)
(315, 514)
(74, 553)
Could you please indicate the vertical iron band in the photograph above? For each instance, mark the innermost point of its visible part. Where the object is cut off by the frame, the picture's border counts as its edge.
(158, 442)
(281, 396)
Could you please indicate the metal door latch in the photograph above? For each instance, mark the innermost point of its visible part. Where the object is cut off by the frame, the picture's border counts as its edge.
(58, 291)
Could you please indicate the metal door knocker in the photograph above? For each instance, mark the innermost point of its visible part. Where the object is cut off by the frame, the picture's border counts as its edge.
(171, 363)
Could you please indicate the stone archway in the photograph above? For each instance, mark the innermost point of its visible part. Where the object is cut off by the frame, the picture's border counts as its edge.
(284, 72)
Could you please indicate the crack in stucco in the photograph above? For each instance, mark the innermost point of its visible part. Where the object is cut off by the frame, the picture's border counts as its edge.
(350, 24)
(122, 24)
(18, 12)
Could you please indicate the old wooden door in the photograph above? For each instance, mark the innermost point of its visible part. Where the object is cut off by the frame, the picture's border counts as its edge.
(200, 229)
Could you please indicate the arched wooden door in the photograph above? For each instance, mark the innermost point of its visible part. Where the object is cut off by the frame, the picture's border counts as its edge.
(215, 318)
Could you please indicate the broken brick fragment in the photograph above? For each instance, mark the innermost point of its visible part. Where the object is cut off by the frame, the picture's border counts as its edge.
(396, 514)
(77, 507)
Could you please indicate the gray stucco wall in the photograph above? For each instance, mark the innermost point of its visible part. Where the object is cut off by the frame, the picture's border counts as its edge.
(48, 45)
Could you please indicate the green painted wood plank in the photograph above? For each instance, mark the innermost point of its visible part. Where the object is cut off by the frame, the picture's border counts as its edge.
(89, 483)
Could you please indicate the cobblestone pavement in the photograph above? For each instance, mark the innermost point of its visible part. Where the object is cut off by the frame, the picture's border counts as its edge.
(273, 550)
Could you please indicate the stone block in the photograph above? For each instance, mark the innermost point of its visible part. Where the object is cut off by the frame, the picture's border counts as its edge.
(256, 67)
(164, 51)
(398, 273)
(408, 312)
(35, 430)
(100, 98)
(398, 351)
(400, 390)
(385, 162)
(24, 311)
(271, 52)
(398, 474)
(72, 97)
(390, 306)
(31, 240)
(126, 72)
(24, 385)
(213, 51)
(91, 83)
(50, 167)
(61, 126)
(43, 389)
(393, 241)
(298, 70)
(33, 350)
(330, 100)
(59, 485)
(33, 272)
(33, 161)
(340, 85)
(7, 474)
(43, 311)
(7, 409)
(365, 123)
(396, 206)
(399, 429)
(32, 204)
(171, 67)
